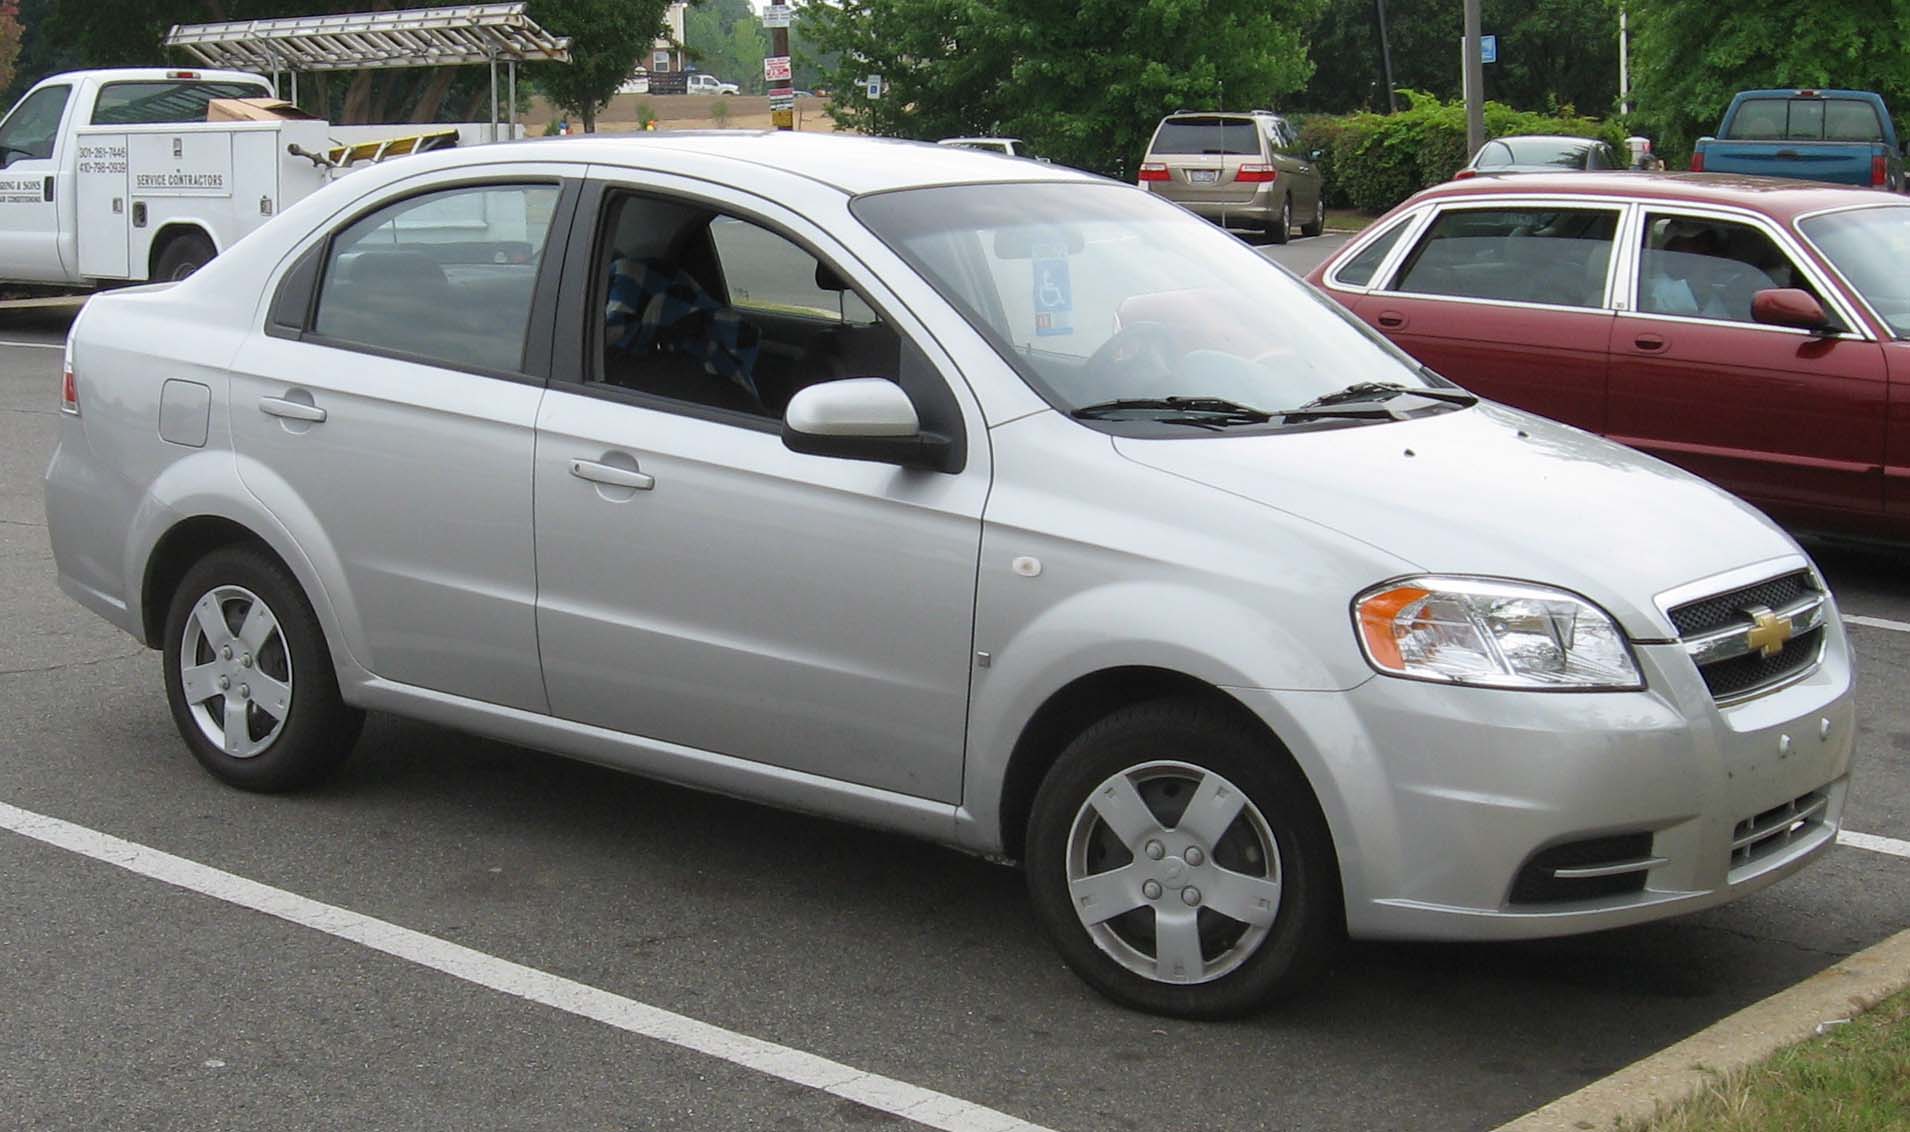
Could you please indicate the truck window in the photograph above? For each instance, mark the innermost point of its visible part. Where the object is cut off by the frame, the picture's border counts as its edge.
(141, 103)
(1805, 119)
(29, 131)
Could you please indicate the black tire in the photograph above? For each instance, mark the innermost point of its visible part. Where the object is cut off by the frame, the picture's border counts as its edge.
(1150, 744)
(1318, 224)
(183, 255)
(1280, 230)
(315, 729)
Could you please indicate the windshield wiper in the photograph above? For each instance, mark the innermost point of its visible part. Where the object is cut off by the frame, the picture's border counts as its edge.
(1368, 400)
(1208, 412)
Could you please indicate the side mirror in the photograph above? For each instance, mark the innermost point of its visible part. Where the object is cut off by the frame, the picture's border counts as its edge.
(1789, 306)
(1316, 155)
(862, 418)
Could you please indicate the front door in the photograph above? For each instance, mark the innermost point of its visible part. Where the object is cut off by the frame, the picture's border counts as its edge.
(1791, 422)
(30, 139)
(1509, 300)
(700, 583)
(392, 430)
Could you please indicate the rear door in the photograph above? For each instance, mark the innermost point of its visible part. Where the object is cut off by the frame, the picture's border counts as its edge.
(1510, 300)
(1294, 167)
(1791, 422)
(1203, 155)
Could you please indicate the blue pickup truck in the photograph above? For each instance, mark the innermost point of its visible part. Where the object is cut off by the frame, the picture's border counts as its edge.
(1844, 136)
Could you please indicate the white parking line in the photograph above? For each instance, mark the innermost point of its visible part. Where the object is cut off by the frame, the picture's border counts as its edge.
(1877, 623)
(899, 1098)
(35, 345)
(1874, 843)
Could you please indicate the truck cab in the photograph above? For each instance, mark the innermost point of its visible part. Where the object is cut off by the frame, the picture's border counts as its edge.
(40, 153)
(1841, 136)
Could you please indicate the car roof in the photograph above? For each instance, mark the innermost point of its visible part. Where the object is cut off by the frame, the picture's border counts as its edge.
(851, 164)
(1771, 195)
(1547, 138)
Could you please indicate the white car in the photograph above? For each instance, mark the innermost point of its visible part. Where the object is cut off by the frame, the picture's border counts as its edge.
(1010, 147)
(708, 84)
(999, 505)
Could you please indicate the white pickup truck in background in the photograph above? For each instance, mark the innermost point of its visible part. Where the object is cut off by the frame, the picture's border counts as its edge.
(116, 176)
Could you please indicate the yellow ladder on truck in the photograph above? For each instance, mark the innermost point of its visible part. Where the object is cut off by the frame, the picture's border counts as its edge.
(344, 156)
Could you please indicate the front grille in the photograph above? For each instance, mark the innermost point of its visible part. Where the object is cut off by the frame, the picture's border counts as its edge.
(1747, 673)
(1770, 832)
(1711, 613)
(1598, 866)
(1727, 635)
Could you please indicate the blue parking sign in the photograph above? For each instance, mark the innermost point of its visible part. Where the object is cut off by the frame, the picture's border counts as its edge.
(1488, 49)
(1053, 293)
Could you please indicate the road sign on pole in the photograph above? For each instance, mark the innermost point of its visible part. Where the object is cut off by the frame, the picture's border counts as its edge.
(776, 16)
(1488, 49)
(776, 68)
(875, 86)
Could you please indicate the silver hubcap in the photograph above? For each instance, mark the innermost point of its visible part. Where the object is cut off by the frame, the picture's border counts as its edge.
(235, 671)
(1174, 872)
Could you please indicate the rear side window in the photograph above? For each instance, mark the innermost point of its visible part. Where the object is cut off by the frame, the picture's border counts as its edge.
(133, 104)
(1358, 271)
(444, 278)
(1558, 257)
(1806, 119)
(1207, 136)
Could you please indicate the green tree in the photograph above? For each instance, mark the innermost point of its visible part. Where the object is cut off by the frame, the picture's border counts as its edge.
(1689, 59)
(609, 39)
(1084, 83)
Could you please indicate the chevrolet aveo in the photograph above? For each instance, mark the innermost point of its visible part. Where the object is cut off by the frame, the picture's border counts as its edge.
(1005, 507)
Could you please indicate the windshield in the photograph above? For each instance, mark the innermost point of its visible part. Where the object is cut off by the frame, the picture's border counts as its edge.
(1098, 292)
(1533, 151)
(1215, 136)
(1870, 247)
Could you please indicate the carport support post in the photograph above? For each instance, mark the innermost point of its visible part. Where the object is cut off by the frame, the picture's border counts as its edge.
(1475, 76)
(510, 94)
(493, 98)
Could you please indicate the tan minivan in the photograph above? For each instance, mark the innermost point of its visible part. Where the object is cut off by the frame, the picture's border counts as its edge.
(1240, 170)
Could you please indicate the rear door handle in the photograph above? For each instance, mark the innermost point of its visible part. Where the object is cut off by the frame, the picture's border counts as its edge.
(1649, 343)
(291, 410)
(612, 475)
(1391, 320)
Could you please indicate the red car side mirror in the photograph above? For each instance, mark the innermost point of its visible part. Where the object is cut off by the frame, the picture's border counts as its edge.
(1789, 306)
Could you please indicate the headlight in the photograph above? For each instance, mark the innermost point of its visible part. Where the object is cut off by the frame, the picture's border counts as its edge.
(1492, 634)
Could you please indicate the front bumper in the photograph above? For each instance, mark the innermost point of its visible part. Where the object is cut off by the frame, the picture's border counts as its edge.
(1439, 796)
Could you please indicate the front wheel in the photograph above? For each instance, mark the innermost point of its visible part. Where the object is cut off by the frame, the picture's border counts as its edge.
(248, 676)
(1180, 864)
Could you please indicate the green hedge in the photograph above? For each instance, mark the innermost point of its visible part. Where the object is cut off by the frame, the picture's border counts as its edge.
(1373, 161)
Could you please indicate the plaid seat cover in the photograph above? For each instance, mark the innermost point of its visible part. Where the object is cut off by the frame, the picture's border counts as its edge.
(655, 304)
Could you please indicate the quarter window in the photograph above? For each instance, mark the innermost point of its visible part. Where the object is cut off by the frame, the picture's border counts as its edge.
(1696, 267)
(1358, 271)
(1558, 257)
(446, 277)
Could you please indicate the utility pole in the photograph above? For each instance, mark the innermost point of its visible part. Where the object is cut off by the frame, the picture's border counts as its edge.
(1475, 83)
(1386, 55)
(776, 68)
(1624, 62)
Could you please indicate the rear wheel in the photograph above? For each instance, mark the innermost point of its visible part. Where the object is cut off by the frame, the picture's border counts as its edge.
(183, 255)
(1180, 864)
(1281, 230)
(248, 676)
(1318, 224)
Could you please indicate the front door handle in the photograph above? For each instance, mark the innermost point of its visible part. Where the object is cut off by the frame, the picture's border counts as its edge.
(1649, 343)
(290, 410)
(612, 475)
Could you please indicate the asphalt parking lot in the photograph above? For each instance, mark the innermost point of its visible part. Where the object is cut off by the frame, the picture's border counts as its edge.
(136, 1003)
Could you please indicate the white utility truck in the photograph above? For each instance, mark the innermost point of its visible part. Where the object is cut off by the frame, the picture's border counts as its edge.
(117, 176)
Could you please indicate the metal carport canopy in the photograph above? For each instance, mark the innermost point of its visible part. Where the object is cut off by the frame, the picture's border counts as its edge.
(417, 37)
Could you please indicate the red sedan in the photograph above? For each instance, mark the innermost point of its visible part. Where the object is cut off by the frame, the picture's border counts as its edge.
(1755, 332)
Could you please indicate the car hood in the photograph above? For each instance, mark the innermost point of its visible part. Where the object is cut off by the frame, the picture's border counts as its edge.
(1494, 491)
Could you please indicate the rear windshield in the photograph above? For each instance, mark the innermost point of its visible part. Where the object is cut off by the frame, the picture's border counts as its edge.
(1224, 136)
(139, 103)
(1805, 119)
(1532, 151)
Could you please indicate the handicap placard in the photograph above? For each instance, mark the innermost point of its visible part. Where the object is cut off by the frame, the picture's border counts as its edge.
(1053, 297)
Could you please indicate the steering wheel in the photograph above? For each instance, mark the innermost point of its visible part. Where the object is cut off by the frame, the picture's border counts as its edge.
(1138, 352)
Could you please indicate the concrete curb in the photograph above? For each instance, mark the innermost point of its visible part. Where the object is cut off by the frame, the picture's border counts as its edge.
(1677, 1072)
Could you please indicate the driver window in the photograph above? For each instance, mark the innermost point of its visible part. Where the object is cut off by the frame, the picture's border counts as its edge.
(720, 312)
(33, 127)
(1696, 267)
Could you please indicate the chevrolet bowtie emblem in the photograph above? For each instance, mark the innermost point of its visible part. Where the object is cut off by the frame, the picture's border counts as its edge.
(1768, 631)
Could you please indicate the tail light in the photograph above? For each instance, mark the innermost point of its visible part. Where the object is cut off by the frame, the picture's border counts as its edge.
(1254, 171)
(1153, 171)
(1697, 161)
(69, 389)
(1879, 170)
(1465, 174)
